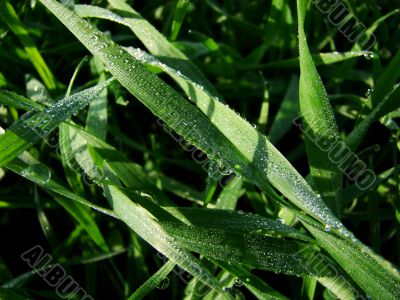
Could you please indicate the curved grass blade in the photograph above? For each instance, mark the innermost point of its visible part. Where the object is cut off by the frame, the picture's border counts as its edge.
(146, 225)
(388, 104)
(318, 123)
(25, 133)
(227, 138)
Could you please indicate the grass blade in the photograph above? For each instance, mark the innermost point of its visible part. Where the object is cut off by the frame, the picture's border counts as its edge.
(153, 281)
(8, 14)
(318, 121)
(226, 138)
(179, 15)
(27, 132)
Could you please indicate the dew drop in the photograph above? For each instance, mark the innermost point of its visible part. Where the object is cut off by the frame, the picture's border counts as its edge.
(163, 284)
(327, 228)
(38, 173)
(238, 283)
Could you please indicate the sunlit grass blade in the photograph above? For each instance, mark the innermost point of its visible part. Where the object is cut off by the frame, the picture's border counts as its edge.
(148, 34)
(144, 224)
(226, 138)
(27, 132)
(319, 123)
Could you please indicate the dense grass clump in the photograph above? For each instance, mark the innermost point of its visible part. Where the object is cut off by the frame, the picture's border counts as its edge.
(199, 149)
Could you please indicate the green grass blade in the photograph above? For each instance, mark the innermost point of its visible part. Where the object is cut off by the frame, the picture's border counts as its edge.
(319, 59)
(135, 216)
(362, 267)
(227, 137)
(179, 15)
(61, 194)
(254, 284)
(8, 14)
(147, 34)
(153, 281)
(14, 100)
(27, 132)
(96, 121)
(318, 121)
(388, 104)
(287, 112)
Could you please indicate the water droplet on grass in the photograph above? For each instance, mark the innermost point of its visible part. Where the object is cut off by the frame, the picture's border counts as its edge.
(163, 284)
(38, 173)
(238, 283)
(327, 228)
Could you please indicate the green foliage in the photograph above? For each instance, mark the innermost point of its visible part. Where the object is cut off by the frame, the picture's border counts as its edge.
(143, 165)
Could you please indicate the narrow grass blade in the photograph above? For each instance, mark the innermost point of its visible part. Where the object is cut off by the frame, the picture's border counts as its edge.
(318, 123)
(8, 14)
(145, 225)
(179, 15)
(319, 59)
(387, 105)
(287, 112)
(27, 132)
(254, 284)
(153, 281)
(226, 138)
(96, 121)
(362, 267)
(14, 100)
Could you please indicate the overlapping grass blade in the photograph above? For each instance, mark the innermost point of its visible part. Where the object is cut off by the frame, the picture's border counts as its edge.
(25, 133)
(226, 138)
(146, 225)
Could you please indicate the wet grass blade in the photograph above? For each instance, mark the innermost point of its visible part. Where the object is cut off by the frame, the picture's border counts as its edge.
(224, 138)
(25, 133)
(362, 267)
(318, 123)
